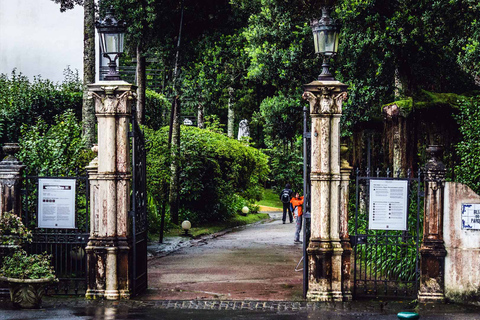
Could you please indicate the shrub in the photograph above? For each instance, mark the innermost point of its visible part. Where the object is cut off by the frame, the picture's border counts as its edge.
(28, 266)
(156, 107)
(55, 149)
(12, 230)
(216, 173)
(23, 102)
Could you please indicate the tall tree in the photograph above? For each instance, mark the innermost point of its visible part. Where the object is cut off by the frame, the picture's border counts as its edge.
(88, 108)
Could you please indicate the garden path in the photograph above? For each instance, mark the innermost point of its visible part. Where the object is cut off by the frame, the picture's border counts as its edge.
(255, 262)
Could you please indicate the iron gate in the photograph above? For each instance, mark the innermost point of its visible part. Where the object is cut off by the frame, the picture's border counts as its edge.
(307, 154)
(386, 262)
(138, 213)
(67, 246)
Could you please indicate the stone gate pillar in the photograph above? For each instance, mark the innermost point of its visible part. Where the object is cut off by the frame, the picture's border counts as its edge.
(108, 249)
(10, 181)
(432, 250)
(325, 249)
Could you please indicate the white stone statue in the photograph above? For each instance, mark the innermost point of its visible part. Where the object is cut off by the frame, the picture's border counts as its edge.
(243, 129)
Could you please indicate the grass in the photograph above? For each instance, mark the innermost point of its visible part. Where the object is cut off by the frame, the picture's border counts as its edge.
(270, 199)
(237, 220)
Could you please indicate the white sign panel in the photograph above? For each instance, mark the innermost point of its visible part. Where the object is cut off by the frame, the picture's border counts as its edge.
(56, 203)
(388, 205)
(471, 216)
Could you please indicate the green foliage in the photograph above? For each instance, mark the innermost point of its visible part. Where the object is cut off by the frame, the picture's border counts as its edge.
(468, 149)
(156, 105)
(23, 102)
(13, 231)
(28, 266)
(218, 175)
(49, 150)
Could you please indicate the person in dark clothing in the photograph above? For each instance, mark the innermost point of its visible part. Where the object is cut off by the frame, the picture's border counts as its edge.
(285, 197)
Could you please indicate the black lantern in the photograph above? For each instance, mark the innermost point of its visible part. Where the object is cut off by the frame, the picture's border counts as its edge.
(326, 33)
(112, 34)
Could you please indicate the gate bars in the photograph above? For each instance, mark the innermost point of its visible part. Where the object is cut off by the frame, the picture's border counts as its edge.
(386, 262)
(139, 209)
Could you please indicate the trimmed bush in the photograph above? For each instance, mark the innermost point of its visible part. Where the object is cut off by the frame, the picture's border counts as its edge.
(23, 101)
(217, 174)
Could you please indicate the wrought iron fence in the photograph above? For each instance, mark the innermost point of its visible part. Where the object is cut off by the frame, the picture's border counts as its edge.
(67, 246)
(386, 262)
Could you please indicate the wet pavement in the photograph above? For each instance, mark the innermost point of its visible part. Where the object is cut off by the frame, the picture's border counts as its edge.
(79, 308)
(254, 262)
(244, 273)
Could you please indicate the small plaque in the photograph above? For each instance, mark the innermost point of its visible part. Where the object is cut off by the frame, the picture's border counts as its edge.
(56, 203)
(470, 216)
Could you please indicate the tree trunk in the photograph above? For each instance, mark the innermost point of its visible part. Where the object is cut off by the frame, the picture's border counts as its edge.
(201, 116)
(141, 85)
(88, 107)
(231, 115)
(175, 165)
(175, 134)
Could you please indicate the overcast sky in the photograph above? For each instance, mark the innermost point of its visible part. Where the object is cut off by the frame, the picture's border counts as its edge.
(38, 39)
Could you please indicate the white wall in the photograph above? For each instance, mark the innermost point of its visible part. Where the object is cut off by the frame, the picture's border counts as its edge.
(38, 39)
(462, 263)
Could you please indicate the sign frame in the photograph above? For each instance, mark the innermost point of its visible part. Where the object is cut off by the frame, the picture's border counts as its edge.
(388, 204)
(56, 194)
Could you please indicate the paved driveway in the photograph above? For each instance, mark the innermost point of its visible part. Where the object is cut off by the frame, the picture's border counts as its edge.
(256, 262)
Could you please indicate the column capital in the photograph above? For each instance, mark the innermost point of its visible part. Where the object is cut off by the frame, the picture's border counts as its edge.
(111, 97)
(325, 97)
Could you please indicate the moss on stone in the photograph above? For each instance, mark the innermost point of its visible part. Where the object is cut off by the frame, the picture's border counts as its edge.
(425, 100)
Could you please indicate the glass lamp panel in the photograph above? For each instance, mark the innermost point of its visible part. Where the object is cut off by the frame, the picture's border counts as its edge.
(114, 42)
(321, 41)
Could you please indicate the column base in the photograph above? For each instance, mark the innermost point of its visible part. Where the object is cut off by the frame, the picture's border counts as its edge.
(320, 296)
(112, 294)
(94, 294)
(431, 297)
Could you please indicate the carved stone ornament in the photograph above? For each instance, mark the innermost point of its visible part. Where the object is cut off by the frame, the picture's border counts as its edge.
(112, 102)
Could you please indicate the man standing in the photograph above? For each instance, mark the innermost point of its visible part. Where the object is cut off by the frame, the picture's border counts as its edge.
(285, 197)
(297, 203)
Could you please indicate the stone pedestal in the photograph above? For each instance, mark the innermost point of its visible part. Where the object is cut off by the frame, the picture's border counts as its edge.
(10, 181)
(109, 176)
(432, 250)
(325, 248)
(345, 172)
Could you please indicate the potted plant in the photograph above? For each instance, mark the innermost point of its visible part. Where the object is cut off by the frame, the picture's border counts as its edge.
(27, 276)
(13, 232)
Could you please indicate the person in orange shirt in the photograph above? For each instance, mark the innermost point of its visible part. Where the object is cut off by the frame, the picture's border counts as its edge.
(297, 203)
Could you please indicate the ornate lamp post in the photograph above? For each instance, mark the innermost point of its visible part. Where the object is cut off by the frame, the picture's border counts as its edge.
(329, 250)
(112, 34)
(326, 34)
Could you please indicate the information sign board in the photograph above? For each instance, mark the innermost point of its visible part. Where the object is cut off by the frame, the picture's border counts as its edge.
(470, 216)
(56, 203)
(388, 205)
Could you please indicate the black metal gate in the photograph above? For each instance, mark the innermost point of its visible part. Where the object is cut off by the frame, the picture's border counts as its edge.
(386, 261)
(307, 146)
(139, 210)
(67, 246)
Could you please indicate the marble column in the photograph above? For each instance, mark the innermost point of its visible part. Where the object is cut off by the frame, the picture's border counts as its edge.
(109, 176)
(432, 249)
(325, 249)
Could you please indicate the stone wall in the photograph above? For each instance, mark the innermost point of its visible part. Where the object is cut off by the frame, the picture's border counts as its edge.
(462, 263)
